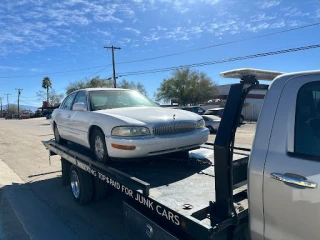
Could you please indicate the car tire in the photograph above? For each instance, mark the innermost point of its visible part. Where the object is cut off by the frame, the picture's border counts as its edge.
(98, 145)
(81, 185)
(241, 120)
(57, 136)
(211, 130)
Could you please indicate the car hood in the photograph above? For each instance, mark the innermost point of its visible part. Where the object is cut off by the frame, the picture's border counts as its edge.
(150, 115)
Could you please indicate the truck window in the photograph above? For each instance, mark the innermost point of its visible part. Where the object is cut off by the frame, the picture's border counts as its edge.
(307, 125)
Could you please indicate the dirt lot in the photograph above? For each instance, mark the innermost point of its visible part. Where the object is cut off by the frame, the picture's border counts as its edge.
(36, 202)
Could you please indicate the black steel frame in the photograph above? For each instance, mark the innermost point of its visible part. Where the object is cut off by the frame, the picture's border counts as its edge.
(223, 208)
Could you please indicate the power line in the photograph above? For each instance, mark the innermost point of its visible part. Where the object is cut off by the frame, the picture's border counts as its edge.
(258, 55)
(223, 44)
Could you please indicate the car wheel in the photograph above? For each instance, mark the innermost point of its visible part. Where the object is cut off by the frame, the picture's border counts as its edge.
(211, 130)
(241, 120)
(81, 185)
(57, 136)
(98, 145)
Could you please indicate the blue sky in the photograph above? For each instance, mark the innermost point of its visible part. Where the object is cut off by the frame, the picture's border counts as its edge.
(39, 38)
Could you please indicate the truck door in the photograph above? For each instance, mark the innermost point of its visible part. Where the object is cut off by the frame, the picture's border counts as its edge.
(291, 180)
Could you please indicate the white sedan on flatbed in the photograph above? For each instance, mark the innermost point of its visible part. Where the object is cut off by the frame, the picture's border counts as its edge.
(122, 123)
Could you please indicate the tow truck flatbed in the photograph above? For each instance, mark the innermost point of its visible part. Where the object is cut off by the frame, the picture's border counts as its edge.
(177, 192)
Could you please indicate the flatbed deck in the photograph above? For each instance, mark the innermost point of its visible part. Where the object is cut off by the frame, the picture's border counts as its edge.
(184, 186)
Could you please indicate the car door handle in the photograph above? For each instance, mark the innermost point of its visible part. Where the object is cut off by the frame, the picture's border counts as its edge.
(69, 115)
(294, 179)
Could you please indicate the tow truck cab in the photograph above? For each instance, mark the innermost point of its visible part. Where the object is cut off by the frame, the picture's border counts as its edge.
(284, 165)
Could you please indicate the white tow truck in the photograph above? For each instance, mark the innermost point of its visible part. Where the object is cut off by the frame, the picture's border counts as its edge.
(221, 191)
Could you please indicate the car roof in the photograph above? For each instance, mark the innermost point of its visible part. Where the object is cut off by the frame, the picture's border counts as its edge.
(101, 89)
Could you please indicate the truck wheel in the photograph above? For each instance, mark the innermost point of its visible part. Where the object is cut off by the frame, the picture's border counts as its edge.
(101, 189)
(81, 185)
(98, 145)
(57, 137)
(65, 169)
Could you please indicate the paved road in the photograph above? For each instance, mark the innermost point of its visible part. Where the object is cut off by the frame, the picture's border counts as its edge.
(34, 205)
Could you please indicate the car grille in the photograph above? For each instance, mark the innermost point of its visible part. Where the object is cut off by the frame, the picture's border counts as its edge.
(173, 128)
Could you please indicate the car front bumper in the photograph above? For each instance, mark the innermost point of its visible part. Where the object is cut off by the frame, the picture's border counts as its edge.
(156, 145)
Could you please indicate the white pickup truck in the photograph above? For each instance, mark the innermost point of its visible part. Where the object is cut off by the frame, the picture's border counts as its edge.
(271, 193)
(284, 165)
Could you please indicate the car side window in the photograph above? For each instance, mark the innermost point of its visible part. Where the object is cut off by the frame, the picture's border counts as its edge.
(68, 102)
(307, 122)
(81, 98)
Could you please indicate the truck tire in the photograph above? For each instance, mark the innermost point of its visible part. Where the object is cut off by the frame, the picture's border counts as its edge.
(81, 185)
(98, 145)
(65, 169)
(101, 189)
(57, 136)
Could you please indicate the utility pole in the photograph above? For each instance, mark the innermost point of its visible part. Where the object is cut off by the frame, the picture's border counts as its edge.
(7, 102)
(19, 92)
(1, 106)
(113, 66)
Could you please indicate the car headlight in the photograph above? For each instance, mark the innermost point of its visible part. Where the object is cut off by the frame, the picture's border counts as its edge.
(130, 131)
(201, 124)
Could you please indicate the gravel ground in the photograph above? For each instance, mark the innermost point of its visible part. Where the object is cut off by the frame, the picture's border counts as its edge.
(244, 135)
(21, 149)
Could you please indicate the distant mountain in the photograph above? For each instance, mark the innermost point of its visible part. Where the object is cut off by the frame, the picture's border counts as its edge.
(25, 107)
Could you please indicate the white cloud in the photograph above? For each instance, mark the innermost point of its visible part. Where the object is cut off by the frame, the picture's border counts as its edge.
(268, 4)
(35, 70)
(137, 32)
(295, 12)
(9, 68)
(262, 17)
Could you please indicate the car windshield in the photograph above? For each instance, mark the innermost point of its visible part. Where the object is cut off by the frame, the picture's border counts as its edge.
(118, 99)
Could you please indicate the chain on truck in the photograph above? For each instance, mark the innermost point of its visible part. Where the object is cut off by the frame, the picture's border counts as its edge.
(200, 197)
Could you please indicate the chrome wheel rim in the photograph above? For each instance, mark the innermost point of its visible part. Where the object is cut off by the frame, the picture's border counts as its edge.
(99, 149)
(75, 184)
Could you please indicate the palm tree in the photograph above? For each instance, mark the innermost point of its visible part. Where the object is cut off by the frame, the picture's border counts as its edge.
(46, 84)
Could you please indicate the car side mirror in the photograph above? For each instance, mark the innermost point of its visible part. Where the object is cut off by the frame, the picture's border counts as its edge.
(80, 106)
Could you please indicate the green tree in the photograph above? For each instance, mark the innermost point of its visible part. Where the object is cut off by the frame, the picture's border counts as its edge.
(132, 85)
(187, 87)
(95, 82)
(46, 84)
(98, 82)
(52, 97)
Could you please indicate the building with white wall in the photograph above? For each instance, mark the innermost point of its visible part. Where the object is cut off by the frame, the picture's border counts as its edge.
(253, 102)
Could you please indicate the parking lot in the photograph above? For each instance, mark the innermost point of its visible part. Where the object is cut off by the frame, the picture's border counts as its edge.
(30, 186)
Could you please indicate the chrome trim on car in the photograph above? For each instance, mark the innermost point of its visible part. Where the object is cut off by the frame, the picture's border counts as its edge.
(174, 128)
